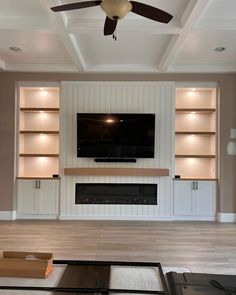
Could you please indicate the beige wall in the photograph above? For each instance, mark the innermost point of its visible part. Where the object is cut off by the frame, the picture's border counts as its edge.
(227, 83)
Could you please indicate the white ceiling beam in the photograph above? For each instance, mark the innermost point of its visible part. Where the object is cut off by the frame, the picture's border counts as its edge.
(127, 24)
(188, 20)
(59, 23)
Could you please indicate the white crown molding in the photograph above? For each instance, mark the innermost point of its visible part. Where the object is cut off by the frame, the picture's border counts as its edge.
(122, 68)
(204, 84)
(226, 217)
(37, 84)
(42, 68)
(204, 68)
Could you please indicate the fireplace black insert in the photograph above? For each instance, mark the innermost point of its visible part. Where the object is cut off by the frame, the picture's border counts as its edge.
(116, 193)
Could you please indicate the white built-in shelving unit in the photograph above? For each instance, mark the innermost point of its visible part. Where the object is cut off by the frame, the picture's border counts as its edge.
(195, 133)
(38, 131)
(195, 153)
(38, 152)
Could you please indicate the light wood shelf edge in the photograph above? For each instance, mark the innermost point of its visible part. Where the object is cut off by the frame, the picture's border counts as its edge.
(35, 177)
(39, 109)
(38, 132)
(39, 155)
(117, 171)
(196, 178)
(195, 156)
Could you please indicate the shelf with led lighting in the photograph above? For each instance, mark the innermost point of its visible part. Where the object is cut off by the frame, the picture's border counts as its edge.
(195, 156)
(38, 132)
(38, 154)
(195, 110)
(195, 133)
(39, 109)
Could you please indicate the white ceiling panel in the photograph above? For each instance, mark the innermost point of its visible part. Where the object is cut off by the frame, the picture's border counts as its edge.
(37, 47)
(74, 41)
(130, 49)
(220, 9)
(16, 8)
(198, 48)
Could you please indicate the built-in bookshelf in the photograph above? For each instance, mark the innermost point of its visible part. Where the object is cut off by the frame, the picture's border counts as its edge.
(38, 131)
(195, 133)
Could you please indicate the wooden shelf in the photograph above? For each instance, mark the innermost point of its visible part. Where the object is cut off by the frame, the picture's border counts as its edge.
(196, 178)
(39, 109)
(117, 171)
(195, 156)
(195, 132)
(35, 177)
(39, 155)
(38, 132)
(195, 110)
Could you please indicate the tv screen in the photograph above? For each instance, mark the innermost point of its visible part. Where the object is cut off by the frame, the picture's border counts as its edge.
(115, 135)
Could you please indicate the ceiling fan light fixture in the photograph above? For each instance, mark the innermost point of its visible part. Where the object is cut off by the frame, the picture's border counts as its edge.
(116, 9)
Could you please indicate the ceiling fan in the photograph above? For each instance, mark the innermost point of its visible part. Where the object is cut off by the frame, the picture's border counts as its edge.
(117, 9)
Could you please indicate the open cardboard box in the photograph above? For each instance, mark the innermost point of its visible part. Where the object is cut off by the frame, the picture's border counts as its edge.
(25, 264)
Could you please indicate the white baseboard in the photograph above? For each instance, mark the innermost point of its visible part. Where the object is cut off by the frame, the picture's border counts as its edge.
(128, 218)
(37, 216)
(226, 217)
(195, 218)
(7, 215)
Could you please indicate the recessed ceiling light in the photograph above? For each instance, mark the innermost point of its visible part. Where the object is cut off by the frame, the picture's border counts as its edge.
(219, 49)
(15, 48)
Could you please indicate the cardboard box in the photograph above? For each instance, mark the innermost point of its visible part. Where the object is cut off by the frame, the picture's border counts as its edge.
(26, 264)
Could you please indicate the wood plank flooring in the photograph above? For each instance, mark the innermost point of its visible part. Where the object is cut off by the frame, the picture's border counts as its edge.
(200, 246)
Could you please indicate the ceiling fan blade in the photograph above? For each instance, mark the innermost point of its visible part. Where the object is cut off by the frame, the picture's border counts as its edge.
(76, 5)
(151, 12)
(109, 26)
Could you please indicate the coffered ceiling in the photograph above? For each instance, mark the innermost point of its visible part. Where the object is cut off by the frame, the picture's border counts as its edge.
(73, 41)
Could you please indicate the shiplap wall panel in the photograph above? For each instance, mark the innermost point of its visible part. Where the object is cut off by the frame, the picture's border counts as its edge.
(117, 97)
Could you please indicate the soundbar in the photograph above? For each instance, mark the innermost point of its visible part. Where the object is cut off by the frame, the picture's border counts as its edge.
(115, 160)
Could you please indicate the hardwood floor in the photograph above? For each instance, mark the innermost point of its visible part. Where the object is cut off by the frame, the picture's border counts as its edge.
(200, 246)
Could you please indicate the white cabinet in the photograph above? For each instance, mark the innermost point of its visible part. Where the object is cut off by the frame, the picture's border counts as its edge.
(38, 198)
(194, 200)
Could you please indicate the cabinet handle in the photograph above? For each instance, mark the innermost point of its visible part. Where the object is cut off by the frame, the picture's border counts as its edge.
(36, 184)
(193, 185)
(39, 184)
(196, 185)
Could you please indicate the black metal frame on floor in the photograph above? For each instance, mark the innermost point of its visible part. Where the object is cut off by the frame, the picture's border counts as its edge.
(98, 291)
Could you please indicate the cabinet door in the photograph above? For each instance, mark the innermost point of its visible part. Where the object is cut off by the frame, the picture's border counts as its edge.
(48, 197)
(26, 201)
(204, 198)
(182, 198)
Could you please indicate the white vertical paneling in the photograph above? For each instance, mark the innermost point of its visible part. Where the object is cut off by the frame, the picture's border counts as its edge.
(117, 97)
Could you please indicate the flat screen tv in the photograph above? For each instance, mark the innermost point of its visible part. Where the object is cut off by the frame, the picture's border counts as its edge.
(115, 135)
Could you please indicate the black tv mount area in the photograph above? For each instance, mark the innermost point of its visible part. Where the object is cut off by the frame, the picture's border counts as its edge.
(120, 160)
